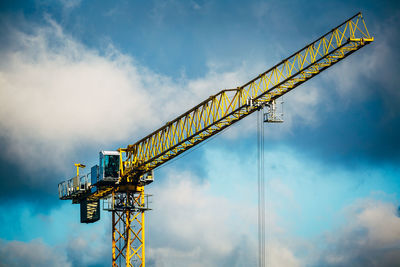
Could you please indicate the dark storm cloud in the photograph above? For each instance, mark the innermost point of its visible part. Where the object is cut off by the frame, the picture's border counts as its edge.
(39, 188)
(363, 132)
(359, 113)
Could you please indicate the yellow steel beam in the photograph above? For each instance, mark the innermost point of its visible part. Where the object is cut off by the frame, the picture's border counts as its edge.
(230, 105)
(128, 232)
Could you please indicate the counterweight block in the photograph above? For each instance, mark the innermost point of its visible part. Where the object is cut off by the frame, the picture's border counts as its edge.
(90, 211)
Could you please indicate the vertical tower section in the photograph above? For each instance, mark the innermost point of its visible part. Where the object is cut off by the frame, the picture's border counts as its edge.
(128, 227)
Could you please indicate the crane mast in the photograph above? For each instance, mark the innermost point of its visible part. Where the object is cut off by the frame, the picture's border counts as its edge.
(132, 167)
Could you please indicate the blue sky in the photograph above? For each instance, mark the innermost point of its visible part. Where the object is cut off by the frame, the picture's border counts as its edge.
(77, 77)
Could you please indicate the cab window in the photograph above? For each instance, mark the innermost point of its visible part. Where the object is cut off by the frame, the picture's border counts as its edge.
(111, 166)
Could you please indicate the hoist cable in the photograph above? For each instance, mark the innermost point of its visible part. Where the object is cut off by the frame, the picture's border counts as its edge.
(261, 189)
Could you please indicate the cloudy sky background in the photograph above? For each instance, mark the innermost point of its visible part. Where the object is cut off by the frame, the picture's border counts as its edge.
(77, 77)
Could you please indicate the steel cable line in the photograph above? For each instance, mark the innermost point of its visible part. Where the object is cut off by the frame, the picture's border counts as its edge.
(261, 189)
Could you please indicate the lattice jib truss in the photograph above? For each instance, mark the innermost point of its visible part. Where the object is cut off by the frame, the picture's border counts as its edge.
(229, 106)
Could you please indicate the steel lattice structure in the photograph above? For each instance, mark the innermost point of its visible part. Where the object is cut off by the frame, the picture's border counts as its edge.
(228, 106)
(203, 121)
(128, 230)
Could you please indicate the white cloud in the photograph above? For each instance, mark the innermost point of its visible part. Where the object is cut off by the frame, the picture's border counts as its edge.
(54, 235)
(280, 255)
(370, 237)
(58, 96)
(92, 247)
(70, 4)
(216, 216)
(191, 226)
(34, 253)
(188, 222)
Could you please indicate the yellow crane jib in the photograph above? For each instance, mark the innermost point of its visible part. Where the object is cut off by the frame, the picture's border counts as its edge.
(121, 175)
(230, 105)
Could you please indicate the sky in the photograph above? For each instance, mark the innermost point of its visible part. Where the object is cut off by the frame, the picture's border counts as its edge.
(78, 77)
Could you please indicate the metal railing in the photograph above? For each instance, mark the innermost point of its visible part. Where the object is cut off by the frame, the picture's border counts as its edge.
(123, 201)
(74, 186)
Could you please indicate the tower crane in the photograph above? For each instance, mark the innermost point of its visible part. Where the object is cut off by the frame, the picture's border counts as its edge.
(121, 176)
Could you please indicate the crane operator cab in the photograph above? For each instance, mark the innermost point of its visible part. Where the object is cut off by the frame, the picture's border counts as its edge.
(108, 169)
